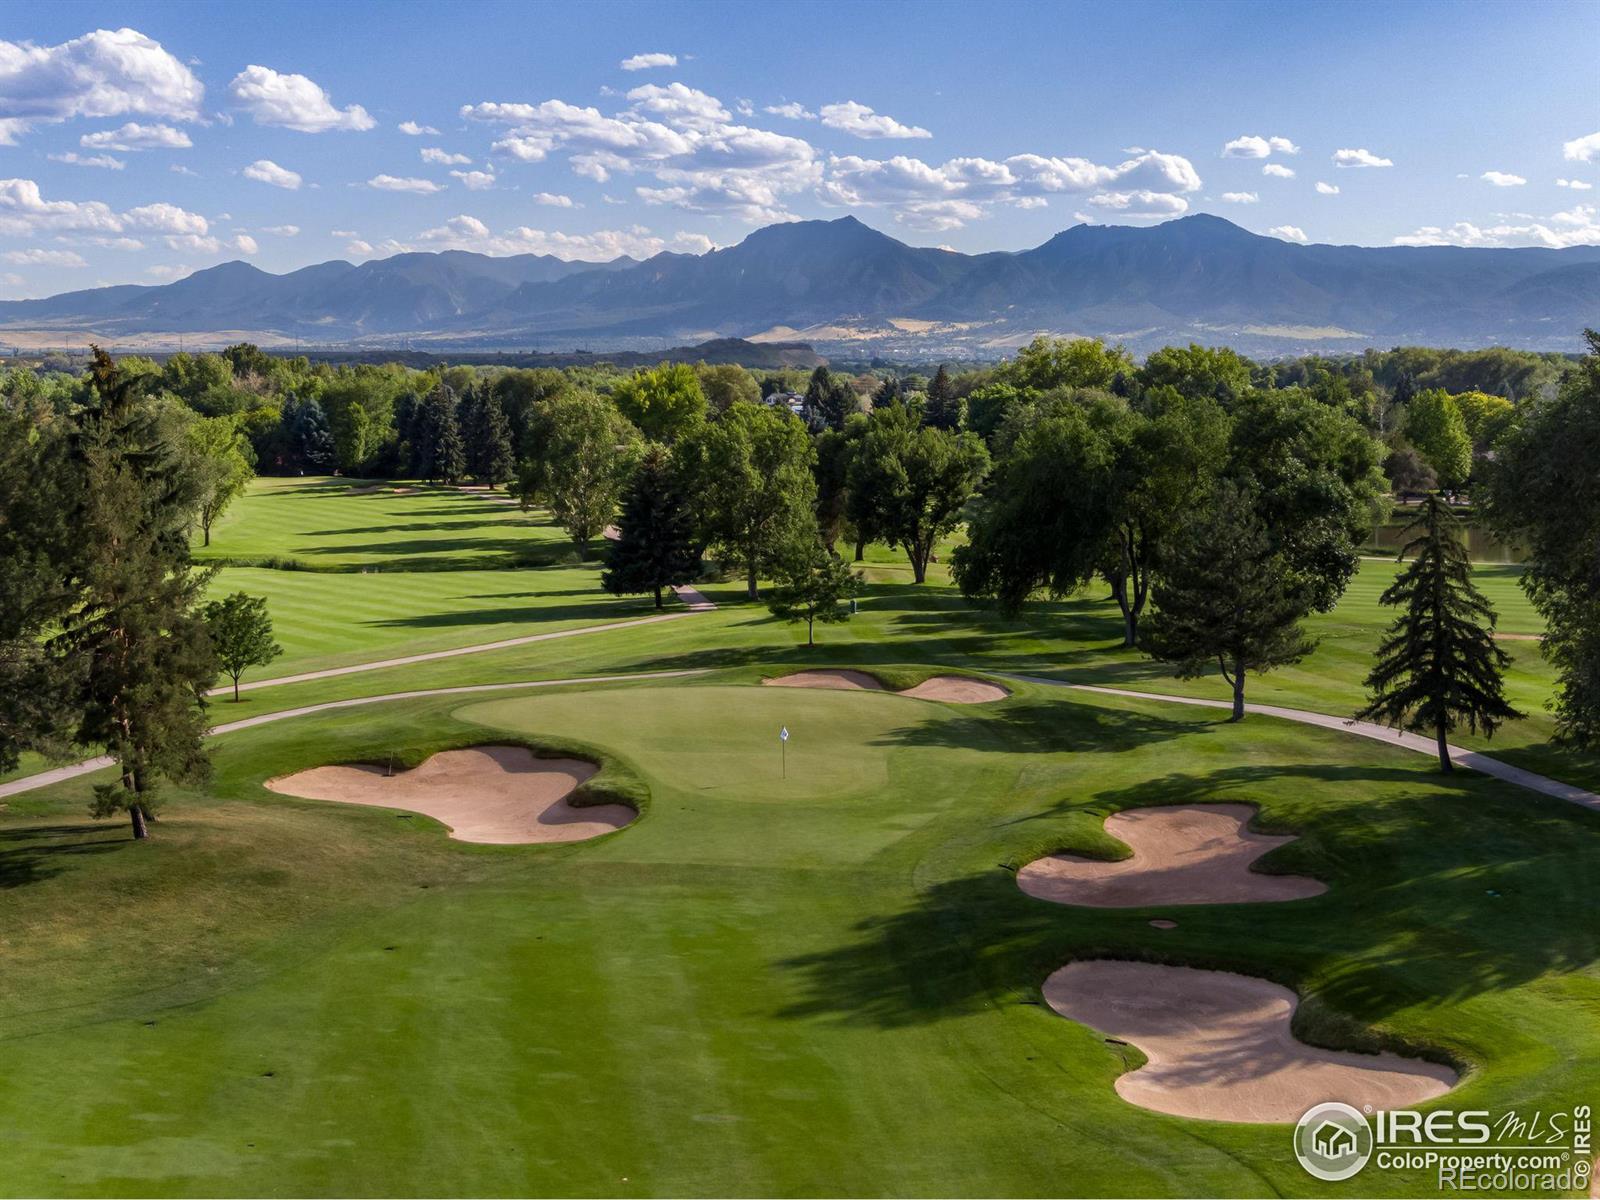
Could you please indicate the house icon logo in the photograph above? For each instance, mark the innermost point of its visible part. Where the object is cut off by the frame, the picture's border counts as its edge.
(1333, 1141)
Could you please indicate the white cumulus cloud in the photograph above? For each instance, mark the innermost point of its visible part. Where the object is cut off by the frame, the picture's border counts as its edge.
(412, 129)
(643, 62)
(435, 154)
(1240, 197)
(1584, 149)
(45, 258)
(264, 170)
(1252, 146)
(292, 102)
(1502, 179)
(393, 183)
(1289, 233)
(552, 200)
(134, 136)
(1278, 171)
(860, 120)
(1575, 184)
(1578, 226)
(1361, 157)
(1327, 189)
(282, 230)
(106, 73)
(791, 111)
(88, 160)
(475, 181)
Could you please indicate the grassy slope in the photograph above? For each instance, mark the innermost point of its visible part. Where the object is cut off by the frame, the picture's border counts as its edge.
(808, 986)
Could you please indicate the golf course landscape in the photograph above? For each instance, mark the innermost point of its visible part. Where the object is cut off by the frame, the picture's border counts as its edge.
(805, 967)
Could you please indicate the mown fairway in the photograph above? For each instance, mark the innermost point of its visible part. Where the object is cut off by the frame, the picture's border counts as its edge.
(815, 985)
(821, 984)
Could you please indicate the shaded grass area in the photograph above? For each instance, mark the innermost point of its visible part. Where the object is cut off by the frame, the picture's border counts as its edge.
(329, 524)
(816, 984)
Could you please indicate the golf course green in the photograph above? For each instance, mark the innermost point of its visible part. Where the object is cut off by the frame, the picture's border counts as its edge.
(806, 968)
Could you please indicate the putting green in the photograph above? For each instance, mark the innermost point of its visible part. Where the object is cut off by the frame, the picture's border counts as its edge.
(820, 984)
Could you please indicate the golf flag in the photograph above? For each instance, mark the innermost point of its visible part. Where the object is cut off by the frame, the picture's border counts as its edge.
(783, 734)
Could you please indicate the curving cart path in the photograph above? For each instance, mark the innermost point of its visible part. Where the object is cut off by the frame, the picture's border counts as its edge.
(1471, 759)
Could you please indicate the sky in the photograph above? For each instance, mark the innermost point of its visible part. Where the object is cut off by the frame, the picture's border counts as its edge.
(142, 141)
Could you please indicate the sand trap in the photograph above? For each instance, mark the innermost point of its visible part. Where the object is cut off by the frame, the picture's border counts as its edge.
(957, 689)
(1191, 854)
(403, 491)
(496, 794)
(1163, 923)
(1219, 1045)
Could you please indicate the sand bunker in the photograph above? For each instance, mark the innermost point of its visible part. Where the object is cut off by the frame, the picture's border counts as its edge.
(1219, 1045)
(496, 794)
(956, 689)
(1192, 854)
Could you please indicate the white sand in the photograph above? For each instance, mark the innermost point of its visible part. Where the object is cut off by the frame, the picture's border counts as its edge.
(494, 794)
(1219, 1045)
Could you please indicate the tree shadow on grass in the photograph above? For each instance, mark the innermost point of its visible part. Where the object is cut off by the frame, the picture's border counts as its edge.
(548, 614)
(1042, 726)
(1436, 896)
(36, 852)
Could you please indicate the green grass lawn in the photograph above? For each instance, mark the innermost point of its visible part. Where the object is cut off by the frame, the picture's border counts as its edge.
(332, 524)
(822, 984)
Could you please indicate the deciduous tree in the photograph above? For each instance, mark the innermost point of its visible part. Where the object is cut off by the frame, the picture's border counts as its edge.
(814, 586)
(241, 634)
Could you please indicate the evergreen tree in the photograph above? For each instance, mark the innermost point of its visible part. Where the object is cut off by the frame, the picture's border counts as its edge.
(438, 453)
(1228, 594)
(829, 400)
(944, 410)
(490, 458)
(655, 547)
(140, 651)
(1438, 663)
(814, 586)
(312, 439)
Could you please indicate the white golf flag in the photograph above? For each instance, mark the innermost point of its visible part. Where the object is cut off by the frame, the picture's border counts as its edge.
(783, 734)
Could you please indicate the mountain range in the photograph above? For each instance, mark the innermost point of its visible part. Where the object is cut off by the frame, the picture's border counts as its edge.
(848, 289)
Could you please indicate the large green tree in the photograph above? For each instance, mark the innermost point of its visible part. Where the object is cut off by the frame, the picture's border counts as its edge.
(487, 435)
(1088, 484)
(655, 546)
(142, 657)
(38, 493)
(1227, 595)
(1438, 664)
(224, 465)
(829, 399)
(919, 479)
(665, 402)
(749, 477)
(586, 450)
(813, 586)
(1544, 493)
(1435, 426)
(438, 451)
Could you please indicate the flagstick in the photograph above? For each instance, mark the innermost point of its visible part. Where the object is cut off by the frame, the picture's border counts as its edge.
(783, 756)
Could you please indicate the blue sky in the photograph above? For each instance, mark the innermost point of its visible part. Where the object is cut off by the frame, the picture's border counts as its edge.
(188, 134)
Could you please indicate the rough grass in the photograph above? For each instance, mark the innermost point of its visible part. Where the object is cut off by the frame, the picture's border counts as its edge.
(819, 984)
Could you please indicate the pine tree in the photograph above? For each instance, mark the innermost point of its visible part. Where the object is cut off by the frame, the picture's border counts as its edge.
(491, 458)
(656, 547)
(438, 452)
(945, 410)
(1227, 595)
(141, 653)
(313, 441)
(1438, 664)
